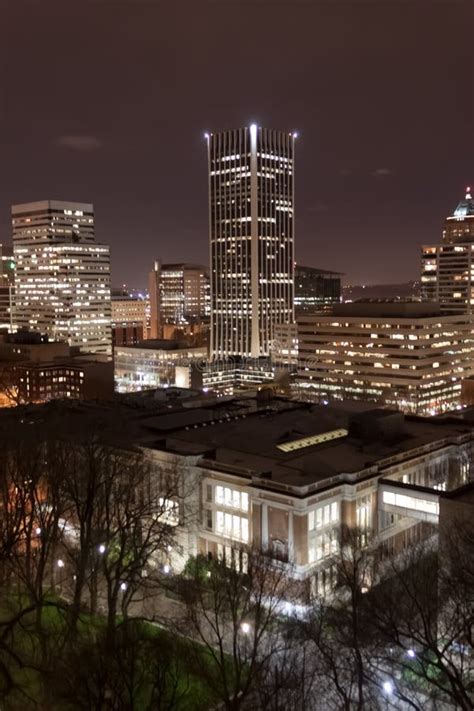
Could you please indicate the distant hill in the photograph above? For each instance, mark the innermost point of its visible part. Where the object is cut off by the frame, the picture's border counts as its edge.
(381, 291)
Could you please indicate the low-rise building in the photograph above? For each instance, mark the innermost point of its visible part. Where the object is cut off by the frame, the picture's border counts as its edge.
(287, 477)
(152, 363)
(34, 370)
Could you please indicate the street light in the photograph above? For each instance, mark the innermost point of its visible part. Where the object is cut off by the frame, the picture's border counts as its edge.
(166, 569)
(60, 563)
(101, 548)
(388, 687)
(123, 586)
(411, 653)
(245, 627)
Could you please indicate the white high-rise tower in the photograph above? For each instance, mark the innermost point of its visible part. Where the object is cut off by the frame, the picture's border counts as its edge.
(251, 216)
(62, 280)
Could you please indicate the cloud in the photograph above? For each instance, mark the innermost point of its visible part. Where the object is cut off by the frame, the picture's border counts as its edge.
(79, 143)
(318, 207)
(381, 172)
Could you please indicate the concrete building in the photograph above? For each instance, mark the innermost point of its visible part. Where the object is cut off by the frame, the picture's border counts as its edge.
(129, 320)
(62, 280)
(284, 350)
(447, 269)
(251, 219)
(316, 289)
(406, 355)
(7, 288)
(179, 295)
(152, 363)
(286, 476)
(34, 370)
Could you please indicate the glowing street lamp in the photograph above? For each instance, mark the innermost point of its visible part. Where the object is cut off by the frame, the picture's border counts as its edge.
(245, 627)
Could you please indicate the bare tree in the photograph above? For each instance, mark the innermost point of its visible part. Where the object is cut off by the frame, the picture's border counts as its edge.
(232, 609)
(425, 614)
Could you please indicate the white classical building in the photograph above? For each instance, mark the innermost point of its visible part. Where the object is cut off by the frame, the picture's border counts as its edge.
(286, 476)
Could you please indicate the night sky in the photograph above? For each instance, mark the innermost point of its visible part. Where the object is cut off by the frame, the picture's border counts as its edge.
(107, 102)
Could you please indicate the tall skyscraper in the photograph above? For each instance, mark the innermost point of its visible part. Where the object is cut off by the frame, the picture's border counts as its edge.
(447, 269)
(251, 216)
(62, 278)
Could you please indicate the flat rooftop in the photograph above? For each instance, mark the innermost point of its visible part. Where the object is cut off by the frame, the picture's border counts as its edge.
(285, 445)
(291, 443)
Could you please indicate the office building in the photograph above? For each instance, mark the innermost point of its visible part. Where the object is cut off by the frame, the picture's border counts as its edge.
(179, 295)
(129, 320)
(459, 227)
(316, 289)
(62, 281)
(447, 269)
(152, 363)
(406, 355)
(284, 350)
(7, 288)
(251, 216)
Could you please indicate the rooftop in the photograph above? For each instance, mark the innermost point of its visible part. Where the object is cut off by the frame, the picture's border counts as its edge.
(325, 446)
(324, 442)
(465, 207)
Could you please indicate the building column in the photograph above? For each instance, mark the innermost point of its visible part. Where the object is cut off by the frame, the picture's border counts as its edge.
(291, 546)
(264, 515)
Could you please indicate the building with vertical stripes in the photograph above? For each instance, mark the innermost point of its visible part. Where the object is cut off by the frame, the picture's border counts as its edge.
(62, 280)
(251, 216)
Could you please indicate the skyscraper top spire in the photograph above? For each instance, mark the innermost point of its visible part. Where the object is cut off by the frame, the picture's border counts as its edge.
(466, 206)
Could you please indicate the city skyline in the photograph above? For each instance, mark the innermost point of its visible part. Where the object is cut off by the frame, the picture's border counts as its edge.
(379, 123)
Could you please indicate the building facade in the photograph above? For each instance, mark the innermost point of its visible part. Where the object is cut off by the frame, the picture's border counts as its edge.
(447, 269)
(251, 217)
(7, 288)
(152, 363)
(286, 477)
(179, 295)
(129, 320)
(34, 370)
(406, 355)
(316, 289)
(62, 281)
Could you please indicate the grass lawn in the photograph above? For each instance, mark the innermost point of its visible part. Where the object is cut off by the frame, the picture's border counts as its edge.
(31, 687)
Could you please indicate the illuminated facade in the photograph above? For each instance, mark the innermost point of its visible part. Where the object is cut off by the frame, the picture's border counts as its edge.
(406, 355)
(179, 295)
(447, 269)
(459, 227)
(286, 477)
(316, 289)
(62, 275)
(7, 288)
(152, 363)
(251, 216)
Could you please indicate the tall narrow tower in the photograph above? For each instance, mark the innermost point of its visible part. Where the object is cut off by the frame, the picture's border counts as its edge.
(251, 221)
